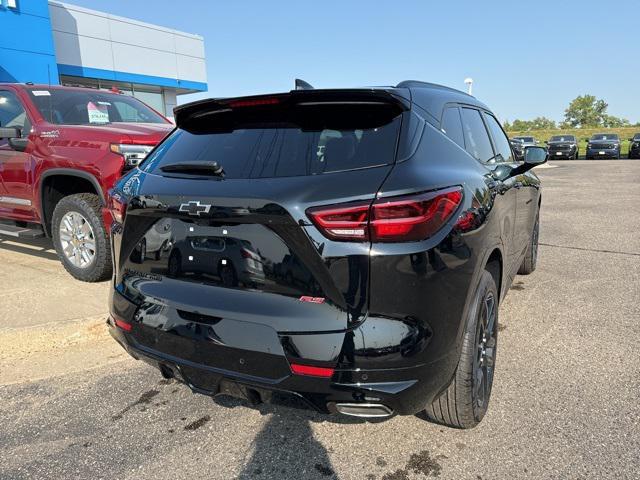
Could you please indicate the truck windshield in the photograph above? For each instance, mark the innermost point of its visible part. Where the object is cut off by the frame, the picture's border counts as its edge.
(91, 107)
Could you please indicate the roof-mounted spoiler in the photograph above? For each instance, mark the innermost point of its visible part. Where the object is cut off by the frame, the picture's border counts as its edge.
(203, 110)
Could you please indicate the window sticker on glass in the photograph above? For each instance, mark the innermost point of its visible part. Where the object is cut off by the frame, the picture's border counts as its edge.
(98, 112)
(41, 93)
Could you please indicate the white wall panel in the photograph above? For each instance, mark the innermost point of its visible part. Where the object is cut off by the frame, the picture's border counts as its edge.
(141, 36)
(193, 47)
(78, 22)
(145, 61)
(83, 51)
(89, 38)
(190, 68)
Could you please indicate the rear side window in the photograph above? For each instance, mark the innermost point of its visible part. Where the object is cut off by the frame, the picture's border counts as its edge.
(280, 151)
(477, 141)
(452, 126)
(503, 147)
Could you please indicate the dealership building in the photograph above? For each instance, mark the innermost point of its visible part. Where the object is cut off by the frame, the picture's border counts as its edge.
(57, 43)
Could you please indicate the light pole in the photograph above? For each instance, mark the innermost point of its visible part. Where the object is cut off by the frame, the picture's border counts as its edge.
(469, 83)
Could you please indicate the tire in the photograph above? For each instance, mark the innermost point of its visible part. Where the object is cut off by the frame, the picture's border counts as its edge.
(531, 256)
(158, 253)
(86, 207)
(175, 264)
(228, 276)
(140, 252)
(577, 156)
(464, 402)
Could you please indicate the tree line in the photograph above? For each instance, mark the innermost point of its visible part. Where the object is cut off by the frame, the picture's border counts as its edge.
(584, 111)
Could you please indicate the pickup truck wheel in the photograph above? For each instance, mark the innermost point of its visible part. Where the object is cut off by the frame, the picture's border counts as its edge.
(531, 256)
(80, 238)
(464, 402)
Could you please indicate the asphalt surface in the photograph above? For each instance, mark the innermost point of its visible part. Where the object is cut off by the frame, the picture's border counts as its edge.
(565, 402)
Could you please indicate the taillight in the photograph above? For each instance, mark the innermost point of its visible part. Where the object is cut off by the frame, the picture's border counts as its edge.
(396, 219)
(342, 222)
(117, 206)
(412, 218)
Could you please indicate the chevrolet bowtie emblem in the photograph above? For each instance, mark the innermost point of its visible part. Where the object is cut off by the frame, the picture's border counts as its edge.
(194, 208)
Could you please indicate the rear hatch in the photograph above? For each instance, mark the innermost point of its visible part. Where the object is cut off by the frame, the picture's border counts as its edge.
(204, 247)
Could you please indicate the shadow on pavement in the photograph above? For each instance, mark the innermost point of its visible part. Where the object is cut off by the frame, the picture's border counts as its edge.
(41, 247)
(286, 447)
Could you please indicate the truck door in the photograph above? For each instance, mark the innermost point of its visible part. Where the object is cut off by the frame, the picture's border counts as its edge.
(16, 173)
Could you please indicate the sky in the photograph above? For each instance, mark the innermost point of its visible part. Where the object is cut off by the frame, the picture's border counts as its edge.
(527, 59)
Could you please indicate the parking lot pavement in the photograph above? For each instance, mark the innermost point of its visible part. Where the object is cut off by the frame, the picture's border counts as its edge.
(565, 402)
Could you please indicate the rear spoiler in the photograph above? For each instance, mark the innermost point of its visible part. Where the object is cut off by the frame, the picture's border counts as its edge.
(208, 109)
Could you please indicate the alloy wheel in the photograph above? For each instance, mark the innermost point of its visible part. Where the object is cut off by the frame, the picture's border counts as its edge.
(484, 360)
(77, 240)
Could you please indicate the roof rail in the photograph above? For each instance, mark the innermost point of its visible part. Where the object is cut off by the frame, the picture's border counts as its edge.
(419, 84)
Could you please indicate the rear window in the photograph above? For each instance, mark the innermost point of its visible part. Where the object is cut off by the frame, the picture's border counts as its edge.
(91, 107)
(266, 151)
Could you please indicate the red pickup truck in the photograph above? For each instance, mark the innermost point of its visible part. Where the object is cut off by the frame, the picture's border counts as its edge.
(61, 150)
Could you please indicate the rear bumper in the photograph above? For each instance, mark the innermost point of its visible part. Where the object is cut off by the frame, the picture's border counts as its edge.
(403, 391)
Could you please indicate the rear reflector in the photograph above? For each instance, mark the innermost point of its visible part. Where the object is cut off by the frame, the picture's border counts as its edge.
(310, 371)
(396, 219)
(117, 206)
(126, 326)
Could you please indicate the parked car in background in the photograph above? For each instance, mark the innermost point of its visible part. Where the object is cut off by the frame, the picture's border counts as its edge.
(563, 146)
(61, 149)
(232, 261)
(634, 146)
(394, 246)
(518, 148)
(527, 141)
(603, 145)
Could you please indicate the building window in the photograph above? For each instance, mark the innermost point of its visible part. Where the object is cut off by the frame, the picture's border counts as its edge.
(149, 94)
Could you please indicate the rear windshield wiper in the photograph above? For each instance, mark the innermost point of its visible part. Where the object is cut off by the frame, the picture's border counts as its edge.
(200, 168)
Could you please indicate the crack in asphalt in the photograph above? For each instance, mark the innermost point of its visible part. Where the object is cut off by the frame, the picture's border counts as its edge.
(591, 249)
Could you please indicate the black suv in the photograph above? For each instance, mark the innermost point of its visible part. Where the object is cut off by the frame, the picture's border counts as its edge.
(389, 224)
(563, 146)
(603, 145)
(634, 146)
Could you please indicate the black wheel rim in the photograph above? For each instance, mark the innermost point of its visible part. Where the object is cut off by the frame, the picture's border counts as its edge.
(485, 354)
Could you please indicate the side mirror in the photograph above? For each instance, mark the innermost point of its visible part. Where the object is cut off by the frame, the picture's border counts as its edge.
(535, 156)
(14, 137)
(19, 144)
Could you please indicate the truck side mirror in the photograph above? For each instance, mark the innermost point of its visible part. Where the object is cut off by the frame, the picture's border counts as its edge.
(14, 137)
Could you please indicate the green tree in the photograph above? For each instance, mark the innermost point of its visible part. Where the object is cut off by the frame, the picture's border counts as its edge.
(586, 111)
(538, 123)
(543, 123)
(611, 121)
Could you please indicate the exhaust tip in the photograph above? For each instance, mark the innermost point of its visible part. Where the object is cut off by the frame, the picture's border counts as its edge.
(366, 410)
